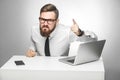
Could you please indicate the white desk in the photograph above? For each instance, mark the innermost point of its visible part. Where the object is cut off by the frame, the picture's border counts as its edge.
(49, 68)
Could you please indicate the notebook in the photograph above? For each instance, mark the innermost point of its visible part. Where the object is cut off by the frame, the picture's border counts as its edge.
(87, 52)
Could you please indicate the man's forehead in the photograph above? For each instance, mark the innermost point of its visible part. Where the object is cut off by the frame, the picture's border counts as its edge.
(48, 15)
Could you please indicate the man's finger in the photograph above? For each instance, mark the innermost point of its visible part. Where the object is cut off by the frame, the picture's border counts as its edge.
(74, 22)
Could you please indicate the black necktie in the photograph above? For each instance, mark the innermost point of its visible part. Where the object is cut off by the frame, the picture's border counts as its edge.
(47, 51)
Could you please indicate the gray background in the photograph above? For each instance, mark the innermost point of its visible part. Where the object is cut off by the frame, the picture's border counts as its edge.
(100, 16)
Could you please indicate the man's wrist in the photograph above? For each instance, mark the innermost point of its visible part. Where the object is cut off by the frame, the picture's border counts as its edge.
(80, 32)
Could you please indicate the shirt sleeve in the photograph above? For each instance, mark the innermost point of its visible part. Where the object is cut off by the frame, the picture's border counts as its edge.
(86, 37)
(32, 45)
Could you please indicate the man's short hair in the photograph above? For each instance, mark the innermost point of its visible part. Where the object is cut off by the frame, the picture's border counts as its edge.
(48, 8)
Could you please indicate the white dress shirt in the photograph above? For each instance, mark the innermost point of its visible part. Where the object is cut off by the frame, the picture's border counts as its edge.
(59, 40)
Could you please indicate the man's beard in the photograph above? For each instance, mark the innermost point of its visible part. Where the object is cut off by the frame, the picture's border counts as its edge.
(45, 31)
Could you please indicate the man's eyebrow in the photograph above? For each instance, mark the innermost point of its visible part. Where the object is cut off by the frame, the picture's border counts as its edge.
(47, 19)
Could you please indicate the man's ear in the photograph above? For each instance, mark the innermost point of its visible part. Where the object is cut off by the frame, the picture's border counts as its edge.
(57, 21)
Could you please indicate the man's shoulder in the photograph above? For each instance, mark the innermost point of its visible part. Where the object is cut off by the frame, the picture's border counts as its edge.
(63, 27)
(35, 27)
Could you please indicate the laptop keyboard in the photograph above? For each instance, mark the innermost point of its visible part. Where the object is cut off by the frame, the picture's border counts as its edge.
(72, 60)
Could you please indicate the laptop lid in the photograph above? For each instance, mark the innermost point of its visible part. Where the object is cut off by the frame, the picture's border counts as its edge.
(90, 51)
(86, 52)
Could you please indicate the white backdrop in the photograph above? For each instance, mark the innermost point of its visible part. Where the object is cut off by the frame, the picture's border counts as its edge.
(100, 16)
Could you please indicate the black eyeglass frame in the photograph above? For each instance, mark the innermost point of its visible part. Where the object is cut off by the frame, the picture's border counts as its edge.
(49, 21)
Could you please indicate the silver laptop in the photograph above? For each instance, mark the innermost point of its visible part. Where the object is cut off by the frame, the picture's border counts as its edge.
(87, 52)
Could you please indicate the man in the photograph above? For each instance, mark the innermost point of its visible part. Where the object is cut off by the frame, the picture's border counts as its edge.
(55, 36)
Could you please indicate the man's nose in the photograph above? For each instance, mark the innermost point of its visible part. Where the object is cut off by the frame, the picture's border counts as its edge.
(46, 23)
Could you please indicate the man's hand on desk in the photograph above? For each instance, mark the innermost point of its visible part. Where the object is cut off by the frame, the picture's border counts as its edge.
(30, 53)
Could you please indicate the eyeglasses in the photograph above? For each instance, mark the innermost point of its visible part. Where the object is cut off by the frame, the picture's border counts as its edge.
(49, 21)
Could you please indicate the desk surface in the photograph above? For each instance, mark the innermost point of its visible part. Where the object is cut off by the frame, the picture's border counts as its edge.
(50, 63)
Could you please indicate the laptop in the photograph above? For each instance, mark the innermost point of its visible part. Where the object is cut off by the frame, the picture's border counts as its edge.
(87, 52)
